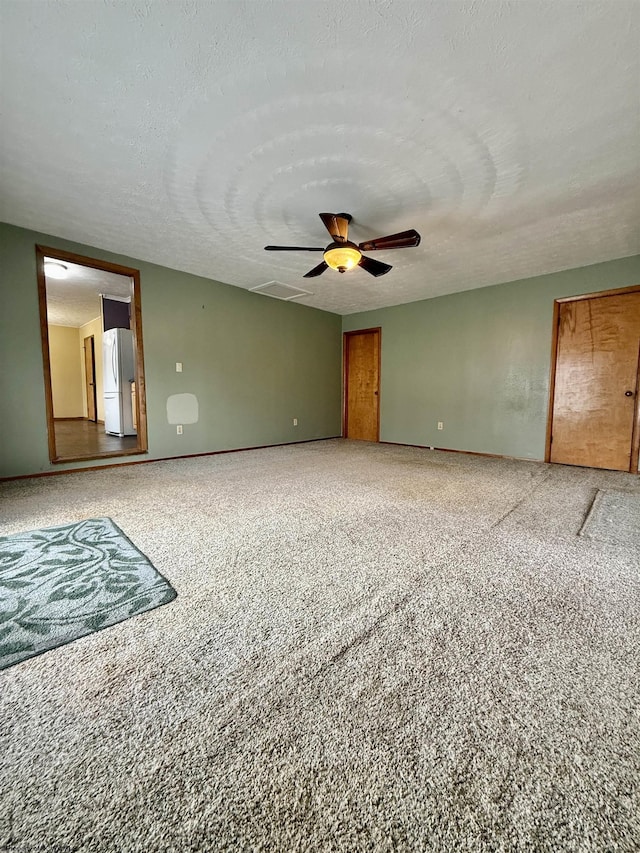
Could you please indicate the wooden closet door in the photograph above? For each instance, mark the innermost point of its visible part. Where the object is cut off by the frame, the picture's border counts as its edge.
(596, 382)
(362, 385)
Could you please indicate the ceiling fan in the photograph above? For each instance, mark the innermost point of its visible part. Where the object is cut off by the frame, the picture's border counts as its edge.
(343, 255)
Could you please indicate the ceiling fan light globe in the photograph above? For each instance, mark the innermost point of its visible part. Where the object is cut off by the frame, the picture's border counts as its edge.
(342, 256)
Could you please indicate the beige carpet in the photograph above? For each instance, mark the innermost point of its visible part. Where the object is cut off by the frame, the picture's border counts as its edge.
(373, 648)
(614, 517)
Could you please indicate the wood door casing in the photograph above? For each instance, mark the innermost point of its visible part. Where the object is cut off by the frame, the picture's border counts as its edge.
(47, 252)
(90, 377)
(362, 385)
(595, 394)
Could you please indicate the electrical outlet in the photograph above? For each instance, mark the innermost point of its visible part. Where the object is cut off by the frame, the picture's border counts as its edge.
(179, 429)
(178, 367)
(295, 422)
(440, 425)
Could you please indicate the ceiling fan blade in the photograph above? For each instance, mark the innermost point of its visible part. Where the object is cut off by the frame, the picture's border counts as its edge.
(317, 270)
(403, 240)
(374, 267)
(292, 249)
(337, 224)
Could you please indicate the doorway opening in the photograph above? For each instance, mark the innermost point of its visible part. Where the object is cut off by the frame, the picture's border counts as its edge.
(594, 406)
(91, 332)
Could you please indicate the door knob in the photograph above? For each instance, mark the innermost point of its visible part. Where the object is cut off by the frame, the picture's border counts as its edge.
(628, 393)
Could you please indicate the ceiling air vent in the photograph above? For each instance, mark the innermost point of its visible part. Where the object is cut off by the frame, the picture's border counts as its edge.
(280, 291)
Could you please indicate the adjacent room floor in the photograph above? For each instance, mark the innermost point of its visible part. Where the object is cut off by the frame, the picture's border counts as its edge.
(79, 437)
(373, 648)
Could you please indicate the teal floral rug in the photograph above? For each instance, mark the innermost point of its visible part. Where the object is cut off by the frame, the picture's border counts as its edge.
(62, 583)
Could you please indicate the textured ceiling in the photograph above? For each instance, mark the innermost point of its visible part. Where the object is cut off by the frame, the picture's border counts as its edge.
(75, 300)
(191, 134)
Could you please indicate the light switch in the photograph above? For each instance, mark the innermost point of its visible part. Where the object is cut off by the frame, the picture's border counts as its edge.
(178, 367)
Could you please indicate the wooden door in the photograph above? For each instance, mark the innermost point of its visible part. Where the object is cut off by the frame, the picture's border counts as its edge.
(90, 377)
(362, 385)
(595, 397)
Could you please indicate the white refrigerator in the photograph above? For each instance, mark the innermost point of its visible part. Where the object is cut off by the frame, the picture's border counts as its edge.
(118, 371)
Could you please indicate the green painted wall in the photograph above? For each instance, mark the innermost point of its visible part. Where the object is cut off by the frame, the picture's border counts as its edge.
(254, 363)
(479, 361)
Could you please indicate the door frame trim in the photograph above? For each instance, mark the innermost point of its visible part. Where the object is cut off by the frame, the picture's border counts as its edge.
(136, 323)
(635, 436)
(345, 374)
(92, 339)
